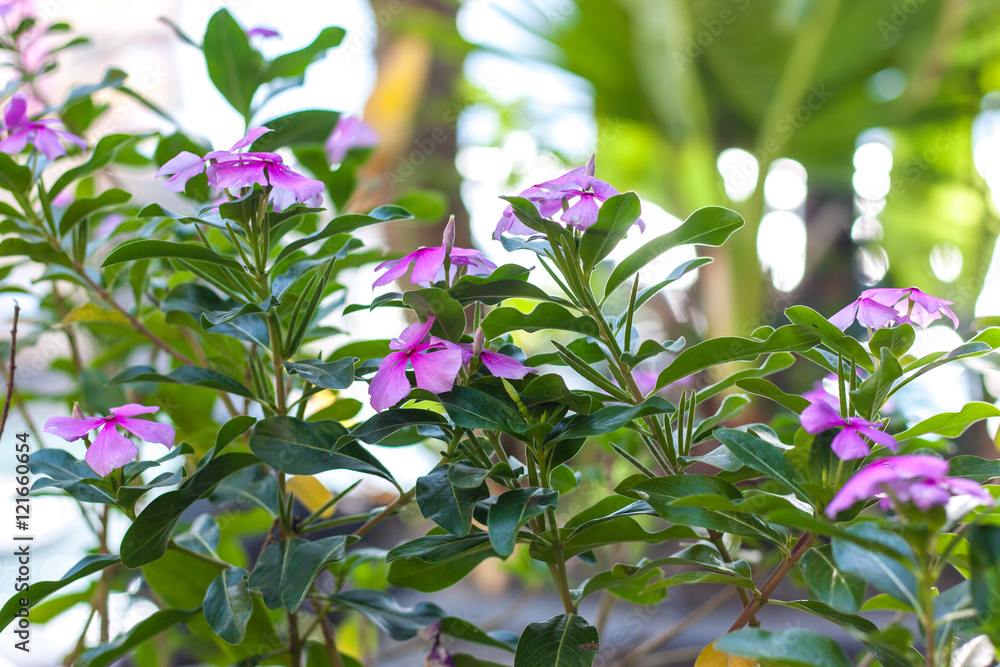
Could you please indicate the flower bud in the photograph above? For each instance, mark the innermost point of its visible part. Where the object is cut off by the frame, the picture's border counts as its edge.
(449, 237)
(478, 342)
(77, 412)
(591, 165)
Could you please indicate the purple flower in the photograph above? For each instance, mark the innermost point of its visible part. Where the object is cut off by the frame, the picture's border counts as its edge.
(552, 196)
(350, 132)
(263, 32)
(438, 655)
(434, 368)
(230, 169)
(500, 365)
(915, 478)
(22, 131)
(849, 443)
(428, 263)
(876, 308)
(111, 449)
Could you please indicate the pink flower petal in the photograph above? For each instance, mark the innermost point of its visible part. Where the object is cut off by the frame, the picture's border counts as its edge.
(396, 268)
(181, 168)
(876, 435)
(390, 384)
(412, 335)
(436, 371)
(426, 265)
(110, 450)
(149, 431)
(15, 115)
(845, 316)
(819, 417)
(70, 429)
(133, 409)
(252, 135)
(582, 214)
(848, 445)
(503, 366)
(875, 315)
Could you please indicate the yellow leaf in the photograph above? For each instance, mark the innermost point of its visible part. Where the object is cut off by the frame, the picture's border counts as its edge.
(90, 312)
(713, 658)
(311, 493)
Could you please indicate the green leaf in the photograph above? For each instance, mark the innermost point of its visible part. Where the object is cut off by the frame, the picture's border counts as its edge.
(613, 417)
(40, 590)
(880, 570)
(873, 392)
(296, 62)
(147, 537)
(41, 252)
(447, 504)
(82, 208)
(831, 336)
(233, 65)
(763, 457)
(471, 408)
(463, 630)
(789, 338)
(789, 648)
(951, 424)
(984, 563)
(499, 286)
(973, 467)
(768, 389)
(435, 562)
(513, 509)
(661, 492)
(897, 339)
(400, 623)
(337, 374)
(344, 224)
(304, 448)
(545, 316)
(106, 654)
(449, 322)
(105, 151)
(561, 641)
(287, 568)
(64, 471)
(14, 177)
(190, 375)
(615, 218)
(675, 275)
(137, 249)
(710, 225)
(299, 129)
(842, 591)
(228, 605)
(387, 422)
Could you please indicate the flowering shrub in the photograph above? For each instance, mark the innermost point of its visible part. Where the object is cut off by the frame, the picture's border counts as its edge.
(226, 311)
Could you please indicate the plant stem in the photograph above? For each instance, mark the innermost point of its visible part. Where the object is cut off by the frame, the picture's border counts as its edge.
(388, 511)
(11, 368)
(927, 619)
(331, 642)
(720, 544)
(805, 541)
(104, 585)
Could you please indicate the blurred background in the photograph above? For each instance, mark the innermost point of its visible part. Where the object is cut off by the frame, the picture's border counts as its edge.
(860, 140)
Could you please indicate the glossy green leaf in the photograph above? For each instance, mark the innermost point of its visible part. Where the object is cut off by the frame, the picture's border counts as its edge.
(287, 568)
(40, 590)
(769, 390)
(299, 447)
(190, 375)
(512, 510)
(873, 392)
(449, 317)
(831, 336)
(385, 423)
(679, 272)
(613, 417)
(137, 249)
(461, 629)
(302, 128)
(471, 408)
(660, 493)
(400, 623)
(81, 208)
(973, 467)
(106, 654)
(763, 457)
(615, 218)
(337, 374)
(344, 224)
(147, 537)
(447, 504)
(794, 647)
(228, 605)
(710, 225)
(842, 591)
(104, 153)
(951, 424)
(715, 351)
(14, 177)
(544, 316)
(296, 62)
(435, 562)
(984, 563)
(880, 570)
(233, 65)
(562, 641)
(897, 339)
